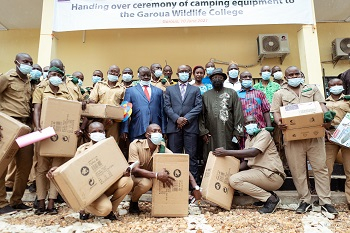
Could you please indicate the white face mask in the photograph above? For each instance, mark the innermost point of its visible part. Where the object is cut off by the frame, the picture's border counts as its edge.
(156, 138)
(278, 75)
(158, 73)
(127, 77)
(97, 136)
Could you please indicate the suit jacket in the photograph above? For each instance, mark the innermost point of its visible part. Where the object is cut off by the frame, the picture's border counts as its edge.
(144, 112)
(189, 108)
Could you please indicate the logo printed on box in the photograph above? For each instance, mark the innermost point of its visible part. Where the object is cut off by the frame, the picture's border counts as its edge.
(217, 185)
(177, 173)
(225, 189)
(84, 171)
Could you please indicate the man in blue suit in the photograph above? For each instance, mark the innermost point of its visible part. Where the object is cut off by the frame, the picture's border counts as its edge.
(147, 107)
(182, 105)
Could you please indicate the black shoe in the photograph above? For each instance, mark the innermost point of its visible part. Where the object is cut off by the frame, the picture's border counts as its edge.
(259, 203)
(59, 199)
(348, 206)
(111, 216)
(303, 208)
(7, 210)
(270, 205)
(134, 208)
(52, 211)
(9, 189)
(32, 187)
(84, 216)
(21, 207)
(36, 203)
(39, 211)
(329, 208)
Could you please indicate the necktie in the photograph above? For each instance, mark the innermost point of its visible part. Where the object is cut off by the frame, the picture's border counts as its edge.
(146, 92)
(182, 90)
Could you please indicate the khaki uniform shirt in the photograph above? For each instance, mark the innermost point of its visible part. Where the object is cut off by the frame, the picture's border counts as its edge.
(83, 147)
(140, 151)
(43, 90)
(340, 107)
(15, 95)
(105, 94)
(73, 89)
(160, 85)
(286, 96)
(268, 158)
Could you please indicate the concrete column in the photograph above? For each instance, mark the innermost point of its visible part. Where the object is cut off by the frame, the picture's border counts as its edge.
(47, 45)
(309, 54)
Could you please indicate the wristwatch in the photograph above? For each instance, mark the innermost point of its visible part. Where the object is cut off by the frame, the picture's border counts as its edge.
(196, 188)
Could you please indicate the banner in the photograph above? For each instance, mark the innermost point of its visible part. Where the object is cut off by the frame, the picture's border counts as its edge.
(71, 15)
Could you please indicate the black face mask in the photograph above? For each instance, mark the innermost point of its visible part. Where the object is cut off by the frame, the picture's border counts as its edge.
(217, 84)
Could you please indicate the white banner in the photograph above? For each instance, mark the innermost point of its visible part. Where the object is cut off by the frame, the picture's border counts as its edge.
(71, 15)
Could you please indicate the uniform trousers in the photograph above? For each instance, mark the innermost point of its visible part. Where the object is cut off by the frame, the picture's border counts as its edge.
(141, 186)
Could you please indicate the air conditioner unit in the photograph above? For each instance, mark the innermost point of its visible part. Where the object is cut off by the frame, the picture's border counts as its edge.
(273, 45)
(341, 48)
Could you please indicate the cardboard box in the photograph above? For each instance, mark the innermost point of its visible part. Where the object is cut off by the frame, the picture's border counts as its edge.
(64, 117)
(303, 133)
(173, 201)
(302, 115)
(103, 111)
(215, 183)
(87, 176)
(11, 129)
(341, 135)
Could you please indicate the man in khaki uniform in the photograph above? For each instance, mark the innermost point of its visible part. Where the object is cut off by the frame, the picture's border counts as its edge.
(336, 102)
(109, 92)
(295, 92)
(156, 70)
(15, 98)
(261, 170)
(104, 205)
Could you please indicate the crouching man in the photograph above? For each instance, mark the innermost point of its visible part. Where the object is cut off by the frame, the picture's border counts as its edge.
(265, 170)
(142, 150)
(104, 205)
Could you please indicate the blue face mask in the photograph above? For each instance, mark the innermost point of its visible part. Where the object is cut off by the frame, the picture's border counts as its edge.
(294, 82)
(184, 76)
(336, 90)
(265, 75)
(55, 81)
(210, 70)
(278, 75)
(80, 83)
(127, 77)
(96, 79)
(251, 128)
(25, 69)
(35, 74)
(247, 83)
(158, 73)
(156, 138)
(45, 75)
(233, 73)
(145, 83)
(112, 78)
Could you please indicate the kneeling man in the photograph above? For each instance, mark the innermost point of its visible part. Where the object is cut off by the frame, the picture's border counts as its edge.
(265, 172)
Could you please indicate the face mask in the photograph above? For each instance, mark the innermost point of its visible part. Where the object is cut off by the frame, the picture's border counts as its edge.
(233, 73)
(96, 79)
(156, 138)
(158, 73)
(25, 69)
(35, 74)
(336, 90)
(112, 78)
(184, 76)
(302, 80)
(266, 75)
(45, 75)
(80, 83)
(145, 83)
(294, 82)
(97, 136)
(247, 83)
(278, 75)
(55, 81)
(251, 128)
(127, 77)
(210, 70)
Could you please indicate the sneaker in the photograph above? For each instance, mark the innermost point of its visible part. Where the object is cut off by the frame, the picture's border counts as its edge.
(84, 216)
(259, 203)
(270, 205)
(21, 207)
(111, 216)
(303, 208)
(329, 208)
(7, 210)
(134, 208)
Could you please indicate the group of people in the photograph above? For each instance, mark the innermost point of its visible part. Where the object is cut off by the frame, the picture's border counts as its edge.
(216, 111)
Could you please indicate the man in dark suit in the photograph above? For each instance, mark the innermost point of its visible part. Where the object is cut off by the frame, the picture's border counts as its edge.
(147, 107)
(182, 105)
